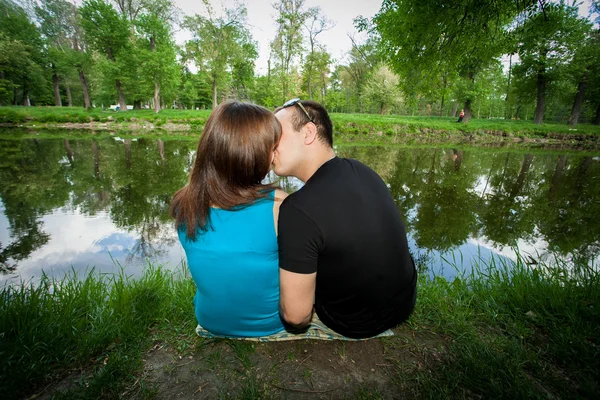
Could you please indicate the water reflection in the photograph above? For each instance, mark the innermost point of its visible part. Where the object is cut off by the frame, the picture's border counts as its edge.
(80, 203)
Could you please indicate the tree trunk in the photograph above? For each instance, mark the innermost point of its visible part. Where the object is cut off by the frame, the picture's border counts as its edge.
(122, 102)
(137, 104)
(454, 110)
(69, 99)
(443, 96)
(506, 113)
(214, 93)
(597, 120)
(57, 100)
(156, 96)
(323, 89)
(467, 111)
(540, 104)
(26, 101)
(84, 87)
(2, 77)
(576, 110)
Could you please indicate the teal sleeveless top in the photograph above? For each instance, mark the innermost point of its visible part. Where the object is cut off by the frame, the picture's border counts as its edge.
(235, 266)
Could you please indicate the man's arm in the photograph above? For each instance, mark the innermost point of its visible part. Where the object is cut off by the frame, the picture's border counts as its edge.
(297, 296)
(299, 243)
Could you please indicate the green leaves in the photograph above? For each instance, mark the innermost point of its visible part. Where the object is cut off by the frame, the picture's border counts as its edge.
(221, 47)
(106, 30)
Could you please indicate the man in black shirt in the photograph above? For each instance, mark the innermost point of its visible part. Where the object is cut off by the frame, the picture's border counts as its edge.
(342, 243)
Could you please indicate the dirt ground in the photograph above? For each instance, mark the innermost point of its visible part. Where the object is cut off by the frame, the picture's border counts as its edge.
(303, 369)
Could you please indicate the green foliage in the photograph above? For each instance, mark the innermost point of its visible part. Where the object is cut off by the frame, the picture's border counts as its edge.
(156, 53)
(382, 90)
(548, 40)
(459, 38)
(105, 30)
(287, 44)
(219, 45)
(21, 57)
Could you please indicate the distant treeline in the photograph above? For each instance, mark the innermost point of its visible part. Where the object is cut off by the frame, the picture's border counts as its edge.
(536, 60)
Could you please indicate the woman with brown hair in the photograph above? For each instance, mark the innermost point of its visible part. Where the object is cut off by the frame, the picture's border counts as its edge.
(227, 223)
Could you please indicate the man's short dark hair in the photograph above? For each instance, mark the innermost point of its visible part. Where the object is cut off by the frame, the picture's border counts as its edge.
(319, 116)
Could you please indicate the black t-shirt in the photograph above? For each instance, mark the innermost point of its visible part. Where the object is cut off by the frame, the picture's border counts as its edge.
(344, 225)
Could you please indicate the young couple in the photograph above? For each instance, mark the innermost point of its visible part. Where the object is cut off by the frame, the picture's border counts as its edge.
(263, 261)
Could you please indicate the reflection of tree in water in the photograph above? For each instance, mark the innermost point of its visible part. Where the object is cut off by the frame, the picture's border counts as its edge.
(568, 206)
(444, 195)
(33, 184)
(91, 176)
(154, 240)
(142, 193)
(433, 191)
(446, 215)
(505, 210)
(21, 247)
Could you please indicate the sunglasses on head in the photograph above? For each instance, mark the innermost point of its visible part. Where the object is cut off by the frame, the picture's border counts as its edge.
(297, 101)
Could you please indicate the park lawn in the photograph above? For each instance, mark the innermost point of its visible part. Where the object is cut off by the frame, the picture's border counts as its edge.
(388, 125)
(506, 332)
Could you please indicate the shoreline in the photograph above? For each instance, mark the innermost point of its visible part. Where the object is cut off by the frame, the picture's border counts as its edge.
(421, 136)
(355, 128)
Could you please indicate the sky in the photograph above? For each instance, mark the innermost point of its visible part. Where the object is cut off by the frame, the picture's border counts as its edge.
(262, 23)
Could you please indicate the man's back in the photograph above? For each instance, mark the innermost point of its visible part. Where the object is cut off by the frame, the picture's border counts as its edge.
(344, 225)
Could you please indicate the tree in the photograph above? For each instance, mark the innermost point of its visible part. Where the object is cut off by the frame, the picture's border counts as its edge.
(54, 18)
(382, 90)
(315, 23)
(287, 44)
(548, 40)
(362, 58)
(22, 58)
(315, 73)
(220, 43)
(460, 36)
(585, 66)
(108, 33)
(156, 49)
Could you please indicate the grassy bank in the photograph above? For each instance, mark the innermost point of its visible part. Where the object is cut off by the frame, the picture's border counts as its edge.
(351, 124)
(505, 333)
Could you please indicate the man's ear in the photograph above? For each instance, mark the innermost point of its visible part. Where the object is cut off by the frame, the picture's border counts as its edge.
(310, 133)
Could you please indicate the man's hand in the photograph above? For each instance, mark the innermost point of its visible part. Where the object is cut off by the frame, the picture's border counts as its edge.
(297, 297)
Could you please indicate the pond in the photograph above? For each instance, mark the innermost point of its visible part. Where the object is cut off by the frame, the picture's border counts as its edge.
(74, 204)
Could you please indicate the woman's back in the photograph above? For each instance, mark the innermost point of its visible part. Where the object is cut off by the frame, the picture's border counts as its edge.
(235, 267)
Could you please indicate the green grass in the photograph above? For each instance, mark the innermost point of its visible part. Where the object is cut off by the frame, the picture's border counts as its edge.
(49, 115)
(507, 331)
(98, 323)
(392, 124)
(514, 332)
(350, 124)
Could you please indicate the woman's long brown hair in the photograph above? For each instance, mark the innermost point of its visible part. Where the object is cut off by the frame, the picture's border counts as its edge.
(233, 157)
